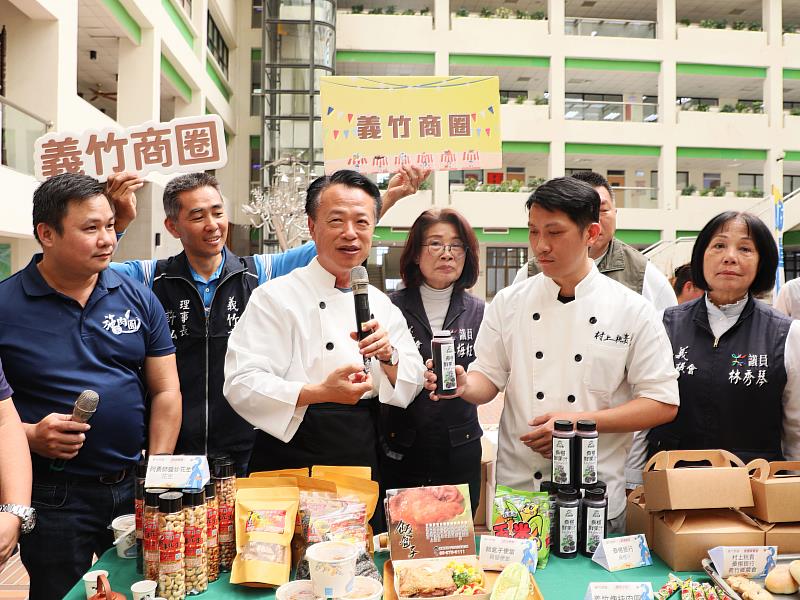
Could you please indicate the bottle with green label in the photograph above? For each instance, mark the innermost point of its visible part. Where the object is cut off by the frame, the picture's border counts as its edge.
(565, 544)
(593, 520)
(563, 450)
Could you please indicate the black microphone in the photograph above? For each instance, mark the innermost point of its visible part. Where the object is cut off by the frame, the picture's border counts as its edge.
(359, 283)
(83, 410)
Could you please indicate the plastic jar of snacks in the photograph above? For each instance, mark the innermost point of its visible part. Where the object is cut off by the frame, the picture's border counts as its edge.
(225, 481)
(150, 533)
(212, 532)
(194, 536)
(171, 581)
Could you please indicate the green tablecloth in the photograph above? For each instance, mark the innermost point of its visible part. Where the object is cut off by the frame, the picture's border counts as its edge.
(560, 580)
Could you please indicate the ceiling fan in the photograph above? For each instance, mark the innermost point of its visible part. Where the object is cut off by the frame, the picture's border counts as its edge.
(99, 93)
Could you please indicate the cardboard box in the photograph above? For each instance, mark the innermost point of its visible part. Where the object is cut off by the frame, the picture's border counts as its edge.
(723, 484)
(775, 495)
(488, 458)
(637, 518)
(682, 538)
(786, 536)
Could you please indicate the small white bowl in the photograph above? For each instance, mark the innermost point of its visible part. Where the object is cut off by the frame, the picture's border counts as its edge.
(295, 590)
(365, 588)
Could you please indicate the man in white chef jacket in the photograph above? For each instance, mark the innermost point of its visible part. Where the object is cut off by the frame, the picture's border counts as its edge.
(570, 343)
(294, 368)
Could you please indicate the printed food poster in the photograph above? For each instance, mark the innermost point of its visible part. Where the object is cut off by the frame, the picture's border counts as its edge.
(429, 522)
(379, 124)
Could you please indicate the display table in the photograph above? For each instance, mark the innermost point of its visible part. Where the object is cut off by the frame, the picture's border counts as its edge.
(560, 580)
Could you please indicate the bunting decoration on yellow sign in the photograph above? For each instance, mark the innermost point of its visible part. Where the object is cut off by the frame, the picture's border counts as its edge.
(379, 124)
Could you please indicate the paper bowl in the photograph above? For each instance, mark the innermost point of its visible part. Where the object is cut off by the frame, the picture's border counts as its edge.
(333, 568)
(295, 590)
(365, 588)
(122, 524)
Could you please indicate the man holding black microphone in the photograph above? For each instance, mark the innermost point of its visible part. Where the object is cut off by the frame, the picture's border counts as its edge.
(70, 324)
(294, 368)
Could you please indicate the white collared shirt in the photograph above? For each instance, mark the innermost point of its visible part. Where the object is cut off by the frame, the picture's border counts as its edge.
(603, 349)
(296, 330)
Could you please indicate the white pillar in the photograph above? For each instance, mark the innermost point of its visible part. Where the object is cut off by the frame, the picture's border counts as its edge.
(139, 80)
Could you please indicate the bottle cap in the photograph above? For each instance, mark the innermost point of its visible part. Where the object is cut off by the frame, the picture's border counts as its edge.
(587, 425)
(597, 494)
(567, 493)
(549, 487)
(194, 497)
(170, 502)
(213, 459)
(562, 425)
(151, 495)
(224, 468)
(141, 469)
(211, 490)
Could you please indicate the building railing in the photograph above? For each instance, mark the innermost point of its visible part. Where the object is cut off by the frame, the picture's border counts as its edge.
(610, 27)
(19, 129)
(594, 110)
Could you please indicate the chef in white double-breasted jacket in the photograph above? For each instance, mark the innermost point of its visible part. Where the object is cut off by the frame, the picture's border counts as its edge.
(572, 344)
(294, 369)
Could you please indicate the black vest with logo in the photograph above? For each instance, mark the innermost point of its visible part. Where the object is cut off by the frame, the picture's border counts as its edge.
(209, 423)
(731, 388)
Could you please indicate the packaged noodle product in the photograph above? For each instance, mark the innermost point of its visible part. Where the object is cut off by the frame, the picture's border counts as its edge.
(265, 519)
(525, 515)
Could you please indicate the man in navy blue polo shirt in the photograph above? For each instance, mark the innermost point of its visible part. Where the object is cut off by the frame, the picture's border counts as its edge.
(68, 324)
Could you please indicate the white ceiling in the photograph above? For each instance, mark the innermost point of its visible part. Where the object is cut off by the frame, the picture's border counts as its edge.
(98, 31)
(635, 10)
(592, 81)
(529, 161)
(747, 88)
(509, 76)
(602, 162)
(714, 165)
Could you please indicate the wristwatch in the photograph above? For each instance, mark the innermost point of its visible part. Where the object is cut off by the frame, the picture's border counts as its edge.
(27, 515)
(393, 359)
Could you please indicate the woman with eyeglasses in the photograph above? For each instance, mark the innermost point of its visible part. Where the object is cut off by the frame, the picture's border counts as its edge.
(436, 443)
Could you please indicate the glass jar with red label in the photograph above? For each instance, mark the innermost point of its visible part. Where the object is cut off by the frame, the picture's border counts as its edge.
(171, 576)
(194, 537)
(150, 533)
(138, 494)
(225, 481)
(212, 532)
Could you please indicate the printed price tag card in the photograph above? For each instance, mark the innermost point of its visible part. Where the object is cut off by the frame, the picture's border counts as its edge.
(620, 590)
(177, 471)
(752, 561)
(499, 552)
(620, 553)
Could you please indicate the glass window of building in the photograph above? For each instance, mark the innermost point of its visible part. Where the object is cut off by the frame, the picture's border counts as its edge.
(502, 265)
(217, 46)
(681, 179)
(257, 14)
(515, 174)
(711, 180)
(790, 183)
(751, 181)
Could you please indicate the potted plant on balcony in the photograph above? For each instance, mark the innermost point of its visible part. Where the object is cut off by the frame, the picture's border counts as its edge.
(501, 12)
(688, 190)
(739, 25)
(540, 100)
(720, 191)
(757, 106)
(754, 26)
(795, 112)
(471, 184)
(519, 99)
(741, 107)
(685, 22)
(357, 9)
(789, 28)
(425, 11)
(486, 13)
(728, 108)
(700, 107)
(538, 15)
(754, 193)
(390, 10)
(408, 11)
(376, 11)
(462, 12)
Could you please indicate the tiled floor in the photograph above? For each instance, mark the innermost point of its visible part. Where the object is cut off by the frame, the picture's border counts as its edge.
(13, 580)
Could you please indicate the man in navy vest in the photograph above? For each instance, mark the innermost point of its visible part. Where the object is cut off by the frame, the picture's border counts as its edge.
(204, 290)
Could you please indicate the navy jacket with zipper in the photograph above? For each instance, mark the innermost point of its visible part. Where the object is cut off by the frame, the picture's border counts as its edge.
(210, 425)
(731, 387)
(426, 423)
